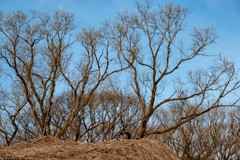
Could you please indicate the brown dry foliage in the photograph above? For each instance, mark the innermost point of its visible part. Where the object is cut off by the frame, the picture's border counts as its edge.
(53, 148)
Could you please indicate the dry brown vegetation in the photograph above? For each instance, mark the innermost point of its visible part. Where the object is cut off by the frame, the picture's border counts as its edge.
(125, 79)
(53, 148)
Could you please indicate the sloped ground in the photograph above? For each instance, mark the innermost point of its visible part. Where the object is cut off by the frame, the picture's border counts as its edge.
(53, 148)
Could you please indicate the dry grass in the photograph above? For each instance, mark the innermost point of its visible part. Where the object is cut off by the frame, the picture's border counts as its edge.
(52, 148)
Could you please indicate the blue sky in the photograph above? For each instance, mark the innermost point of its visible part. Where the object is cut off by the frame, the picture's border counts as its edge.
(222, 14)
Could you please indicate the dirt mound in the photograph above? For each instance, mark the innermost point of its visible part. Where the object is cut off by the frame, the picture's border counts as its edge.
(53, 148)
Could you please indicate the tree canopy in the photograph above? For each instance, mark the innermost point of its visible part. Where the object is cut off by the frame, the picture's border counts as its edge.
(119, 80)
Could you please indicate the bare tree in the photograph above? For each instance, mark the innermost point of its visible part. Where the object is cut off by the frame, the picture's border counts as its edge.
(98, 61)
(148, 42)
(213, 135)
(33, 48)
(36, 53)
(61, 83)
(228, 141)
(110, 113)
(10, 107)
